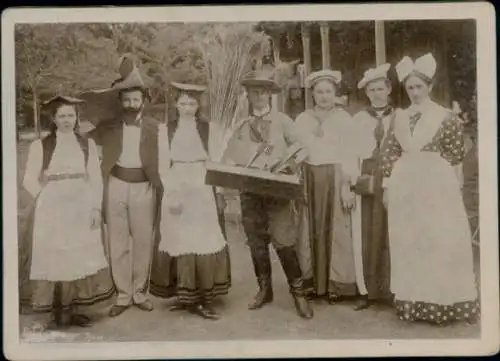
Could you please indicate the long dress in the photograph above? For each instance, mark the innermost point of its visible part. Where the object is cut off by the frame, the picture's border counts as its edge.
(326, 249)
(371, 243)
(432, 275)
(59, 247)
(193, 259)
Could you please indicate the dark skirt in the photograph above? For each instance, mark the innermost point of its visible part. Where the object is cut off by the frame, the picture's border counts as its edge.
(191, 278)
(38, 296)
(375, 240)
(330, 235)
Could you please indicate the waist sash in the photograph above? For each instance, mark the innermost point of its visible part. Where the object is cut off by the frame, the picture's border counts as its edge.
(129, 175)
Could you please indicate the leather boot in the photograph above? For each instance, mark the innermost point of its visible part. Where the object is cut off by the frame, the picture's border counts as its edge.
(262, 267)
(291, 266)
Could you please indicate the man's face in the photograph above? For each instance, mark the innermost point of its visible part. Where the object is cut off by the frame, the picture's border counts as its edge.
(258, 97)
(132, 101)
(378, 92)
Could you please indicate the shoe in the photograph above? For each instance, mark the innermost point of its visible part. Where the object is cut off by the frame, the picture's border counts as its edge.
(177, 306)
(264, 295)
(145, 306)
(303, 307)
(204, 311)
(262, 267)
(291, 267)
(362, 303)
(79, 320)
(334, 298)
(117, 310)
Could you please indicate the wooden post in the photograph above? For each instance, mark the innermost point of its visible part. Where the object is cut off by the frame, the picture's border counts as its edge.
(165, 114)
(380, 54)
(279, 101)
(306, 45)
(325, 45)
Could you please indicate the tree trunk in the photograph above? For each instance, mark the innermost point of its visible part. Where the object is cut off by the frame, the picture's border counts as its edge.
(36, 120)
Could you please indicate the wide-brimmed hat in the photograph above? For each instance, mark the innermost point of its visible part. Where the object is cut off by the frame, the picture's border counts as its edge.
(62, 99)
(261, 78)
(103, 104)
(188, 88)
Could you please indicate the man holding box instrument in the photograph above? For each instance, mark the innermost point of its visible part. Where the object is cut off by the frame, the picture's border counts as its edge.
(266, 141)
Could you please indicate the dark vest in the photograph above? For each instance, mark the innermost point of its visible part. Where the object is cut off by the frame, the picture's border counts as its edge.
(111, 140)
(49, 145)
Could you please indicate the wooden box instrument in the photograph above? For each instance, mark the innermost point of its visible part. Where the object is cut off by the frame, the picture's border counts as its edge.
(254, 180)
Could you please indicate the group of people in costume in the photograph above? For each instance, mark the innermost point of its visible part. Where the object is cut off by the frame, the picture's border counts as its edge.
(382, 220)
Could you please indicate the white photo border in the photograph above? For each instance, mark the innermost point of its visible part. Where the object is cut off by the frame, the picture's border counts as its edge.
(487, 344)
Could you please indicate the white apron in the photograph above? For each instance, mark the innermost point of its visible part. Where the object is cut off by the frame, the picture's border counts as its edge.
(430, 240)
(194, 227)
(64, 246)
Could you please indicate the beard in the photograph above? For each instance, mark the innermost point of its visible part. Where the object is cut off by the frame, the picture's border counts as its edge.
(131, 113)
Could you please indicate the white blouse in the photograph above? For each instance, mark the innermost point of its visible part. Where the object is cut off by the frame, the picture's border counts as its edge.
(328, 140)
(67, 158)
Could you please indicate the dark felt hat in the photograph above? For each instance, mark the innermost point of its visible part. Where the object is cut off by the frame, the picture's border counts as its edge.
(261, 78)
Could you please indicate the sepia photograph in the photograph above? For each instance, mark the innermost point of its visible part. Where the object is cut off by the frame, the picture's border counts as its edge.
(295, 181)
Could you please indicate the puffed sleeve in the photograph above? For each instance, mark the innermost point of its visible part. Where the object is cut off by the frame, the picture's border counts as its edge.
(390, 152)
(164, 159)
(452, 143)
(95, 175)
(31, 181)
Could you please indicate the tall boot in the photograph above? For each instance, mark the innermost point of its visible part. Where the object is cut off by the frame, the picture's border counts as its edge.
(262, 267)
(291, 266)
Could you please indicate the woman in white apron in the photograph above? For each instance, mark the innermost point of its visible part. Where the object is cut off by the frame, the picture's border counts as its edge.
(432, 274)
(62, 260)
(193, 260)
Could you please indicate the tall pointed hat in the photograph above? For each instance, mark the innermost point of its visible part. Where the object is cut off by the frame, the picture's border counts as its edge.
(104, 104)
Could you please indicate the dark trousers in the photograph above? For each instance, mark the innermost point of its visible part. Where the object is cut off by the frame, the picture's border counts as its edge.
(271, 220)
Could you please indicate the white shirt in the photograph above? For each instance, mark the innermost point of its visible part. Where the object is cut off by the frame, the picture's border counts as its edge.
(130, 157)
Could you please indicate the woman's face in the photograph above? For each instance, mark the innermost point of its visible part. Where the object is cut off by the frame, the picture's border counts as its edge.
(187, 106)
(258, 97)
(65, 118)
(417, 89)
(378, 92)
(324, 94)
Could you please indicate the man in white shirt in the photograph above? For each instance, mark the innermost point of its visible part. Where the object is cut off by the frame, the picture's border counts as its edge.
(132, 148)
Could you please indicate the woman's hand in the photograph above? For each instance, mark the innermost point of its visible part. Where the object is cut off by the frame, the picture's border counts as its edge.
(220, 201)
(95, 219)
(347, 197)
(174, 203)
(385, 199)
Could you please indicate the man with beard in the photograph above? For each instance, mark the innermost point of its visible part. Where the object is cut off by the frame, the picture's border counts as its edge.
(132, 147)
(372, 249)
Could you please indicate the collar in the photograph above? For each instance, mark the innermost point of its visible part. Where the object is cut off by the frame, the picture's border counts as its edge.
(65, 135)
(262, 112)
(374, 112)
(422, 107)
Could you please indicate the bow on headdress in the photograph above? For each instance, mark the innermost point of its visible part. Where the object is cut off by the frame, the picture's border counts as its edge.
(370, 75)
(425, 65)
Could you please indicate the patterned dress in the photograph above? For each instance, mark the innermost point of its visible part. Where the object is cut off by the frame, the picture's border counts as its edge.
(432, 275)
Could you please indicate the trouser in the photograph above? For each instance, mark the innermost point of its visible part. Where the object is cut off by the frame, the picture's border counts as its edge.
(130, 217)
(271, 220)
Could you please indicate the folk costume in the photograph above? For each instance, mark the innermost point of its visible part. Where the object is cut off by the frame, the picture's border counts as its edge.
(62, 259)
(268, 219)
(131, 153)
(328, 170)
(371, 243)
(193, 259)
(432, 273)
